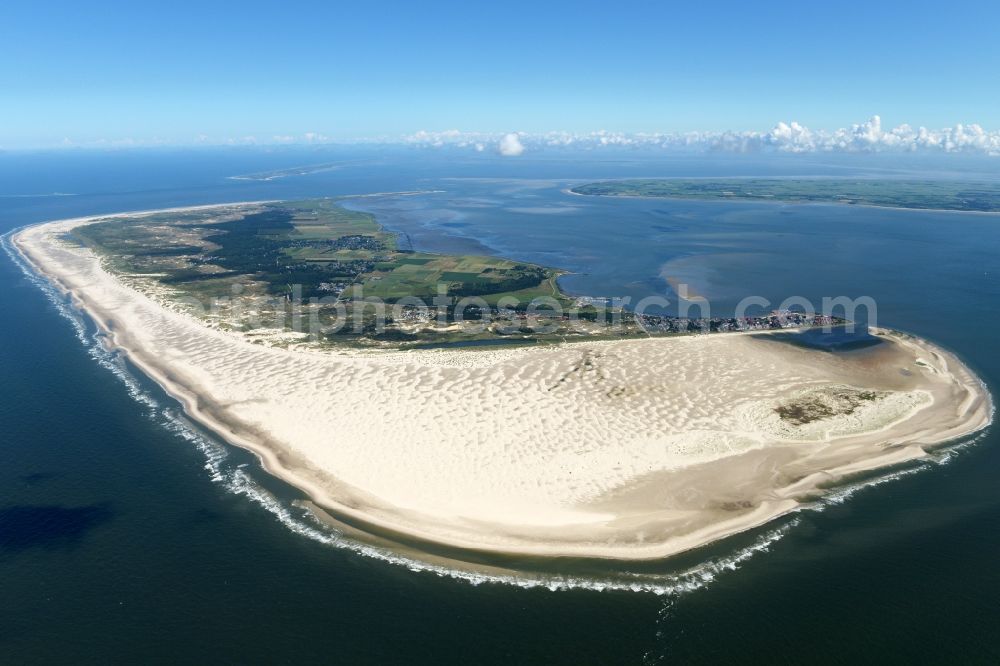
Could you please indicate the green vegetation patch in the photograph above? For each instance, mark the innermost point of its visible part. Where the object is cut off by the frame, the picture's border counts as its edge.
(414, 261)
(825, 404)
(455, 276)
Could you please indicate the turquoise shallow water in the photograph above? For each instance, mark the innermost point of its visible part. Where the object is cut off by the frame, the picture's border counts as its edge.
(126, 534)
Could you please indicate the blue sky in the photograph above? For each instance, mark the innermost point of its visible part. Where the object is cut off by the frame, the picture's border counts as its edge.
(91, 71)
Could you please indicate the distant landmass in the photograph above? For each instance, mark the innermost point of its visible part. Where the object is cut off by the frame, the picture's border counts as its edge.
(917, 194)
(275, 174)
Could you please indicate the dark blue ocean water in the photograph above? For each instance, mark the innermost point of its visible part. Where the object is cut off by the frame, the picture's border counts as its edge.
(125, 534)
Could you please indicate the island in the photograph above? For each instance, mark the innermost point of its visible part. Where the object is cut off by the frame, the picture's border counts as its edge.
(981, 197)
(317, 274)
(276, 174)
(607, 446)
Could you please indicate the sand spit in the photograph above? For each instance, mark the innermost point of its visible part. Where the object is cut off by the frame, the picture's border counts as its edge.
(632, 449)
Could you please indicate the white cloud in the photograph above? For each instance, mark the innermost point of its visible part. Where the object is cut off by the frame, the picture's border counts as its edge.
(315, 137)
(510, 145)
(439, 139)
(785, 137)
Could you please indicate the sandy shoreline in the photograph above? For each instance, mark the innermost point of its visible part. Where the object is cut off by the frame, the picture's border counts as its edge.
(627, 449)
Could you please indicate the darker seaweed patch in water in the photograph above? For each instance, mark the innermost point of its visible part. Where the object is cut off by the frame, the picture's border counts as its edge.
(26, 526)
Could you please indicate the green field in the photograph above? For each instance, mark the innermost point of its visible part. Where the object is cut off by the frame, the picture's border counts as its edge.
(420, 275)
(923, 194)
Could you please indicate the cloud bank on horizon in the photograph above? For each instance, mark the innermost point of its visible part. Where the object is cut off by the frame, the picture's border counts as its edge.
(792, 138)
(869, 136)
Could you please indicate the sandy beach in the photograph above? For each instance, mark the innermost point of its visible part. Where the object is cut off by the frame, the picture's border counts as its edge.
(634, 449)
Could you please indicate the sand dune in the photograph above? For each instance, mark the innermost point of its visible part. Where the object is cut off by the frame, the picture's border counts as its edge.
(628, 449)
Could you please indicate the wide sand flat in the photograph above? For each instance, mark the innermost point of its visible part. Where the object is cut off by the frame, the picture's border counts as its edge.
(631, 449)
